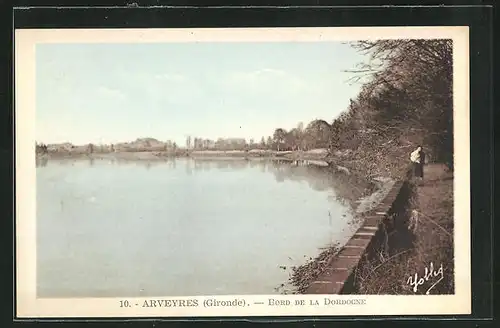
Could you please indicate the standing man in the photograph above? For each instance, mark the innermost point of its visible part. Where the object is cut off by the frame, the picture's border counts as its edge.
(417, 157)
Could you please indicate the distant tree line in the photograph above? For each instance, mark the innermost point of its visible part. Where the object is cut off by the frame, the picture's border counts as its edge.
(315, 135)
(41, 148)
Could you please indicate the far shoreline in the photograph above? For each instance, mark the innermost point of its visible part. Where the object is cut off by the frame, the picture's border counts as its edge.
(317, 155)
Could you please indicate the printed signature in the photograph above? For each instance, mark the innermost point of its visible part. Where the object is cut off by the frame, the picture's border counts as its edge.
(428, 274)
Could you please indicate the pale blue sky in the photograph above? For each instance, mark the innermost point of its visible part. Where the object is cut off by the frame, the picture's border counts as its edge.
(120, 92)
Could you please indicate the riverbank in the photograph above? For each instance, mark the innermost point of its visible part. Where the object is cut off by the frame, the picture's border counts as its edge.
(421, 235)
(303, 276)
(430, 228)
(315, 154)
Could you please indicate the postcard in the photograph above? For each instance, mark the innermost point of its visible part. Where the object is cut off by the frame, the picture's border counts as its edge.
(228, 172)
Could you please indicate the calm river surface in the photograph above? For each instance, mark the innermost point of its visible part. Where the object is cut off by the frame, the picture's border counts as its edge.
(184, 227)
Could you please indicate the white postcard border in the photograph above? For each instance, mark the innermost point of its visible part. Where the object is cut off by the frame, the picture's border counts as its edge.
(356, 305)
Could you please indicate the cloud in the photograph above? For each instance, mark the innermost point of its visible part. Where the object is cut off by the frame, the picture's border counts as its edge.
(265, 79)
(174, 89)
(111, 93)
(171, 77)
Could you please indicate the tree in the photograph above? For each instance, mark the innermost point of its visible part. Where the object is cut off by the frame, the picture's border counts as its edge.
(292, 139)
(263, 142)
(209, 143)
(317, 134)
(269, 142)
(279, 137)
(336, 133)
(407, 95)
(300, 127)
(299, 136)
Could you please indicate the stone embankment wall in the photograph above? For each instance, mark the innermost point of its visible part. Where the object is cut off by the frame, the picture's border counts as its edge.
(369, 239)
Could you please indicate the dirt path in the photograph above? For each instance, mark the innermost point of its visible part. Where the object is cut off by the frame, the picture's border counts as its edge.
(434, 224)
(436, 173)
(435, 197)
(431, 224)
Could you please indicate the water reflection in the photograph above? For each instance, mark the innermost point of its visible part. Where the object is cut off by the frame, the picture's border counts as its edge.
(151, 202)
(318, 175)
(41, 162)
(189, 168)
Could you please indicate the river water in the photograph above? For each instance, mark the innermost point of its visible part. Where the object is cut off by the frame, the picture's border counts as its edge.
(186, 227)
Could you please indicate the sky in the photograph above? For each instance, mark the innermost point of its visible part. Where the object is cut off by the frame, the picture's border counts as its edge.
(109, 93)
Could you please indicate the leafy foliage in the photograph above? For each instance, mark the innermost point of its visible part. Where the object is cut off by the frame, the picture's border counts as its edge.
(406, 100)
